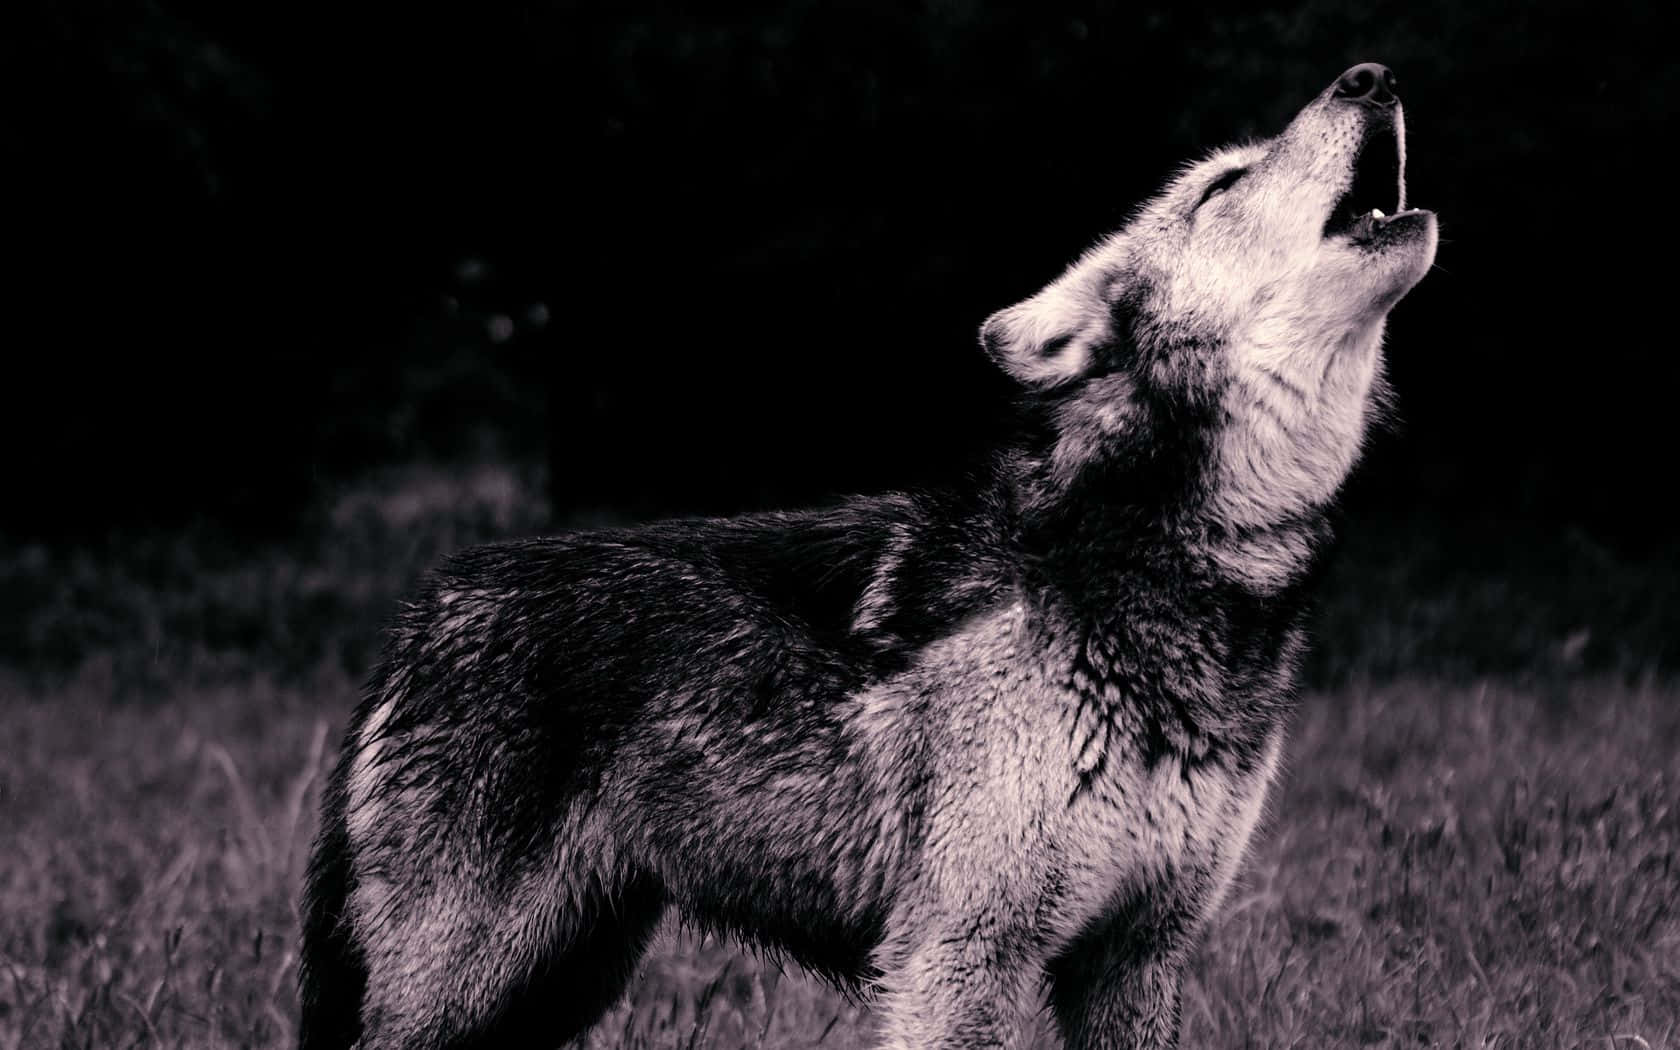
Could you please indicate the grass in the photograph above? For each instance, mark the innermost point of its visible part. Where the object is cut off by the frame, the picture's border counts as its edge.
(1474, 847)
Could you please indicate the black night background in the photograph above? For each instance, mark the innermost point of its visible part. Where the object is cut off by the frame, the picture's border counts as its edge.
(305, 296)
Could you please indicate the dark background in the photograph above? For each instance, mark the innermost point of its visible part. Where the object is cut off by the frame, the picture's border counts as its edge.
(705, 260)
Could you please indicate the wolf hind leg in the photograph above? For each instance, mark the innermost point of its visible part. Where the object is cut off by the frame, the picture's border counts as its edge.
(331, 974)
(465, 970)
(581, 980)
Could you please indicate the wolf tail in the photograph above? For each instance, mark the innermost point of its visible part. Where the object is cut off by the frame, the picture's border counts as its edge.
(332, 976)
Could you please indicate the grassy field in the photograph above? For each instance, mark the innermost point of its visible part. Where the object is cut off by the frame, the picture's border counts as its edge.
(1473, 845)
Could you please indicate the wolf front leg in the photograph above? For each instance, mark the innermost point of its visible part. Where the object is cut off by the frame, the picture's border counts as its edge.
(956, 989)
(1117, 986)
(1105, 999)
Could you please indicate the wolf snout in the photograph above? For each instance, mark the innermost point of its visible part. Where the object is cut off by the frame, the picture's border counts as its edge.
(1370, 84)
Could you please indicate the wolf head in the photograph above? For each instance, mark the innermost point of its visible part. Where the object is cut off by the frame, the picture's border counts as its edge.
(1237, 317)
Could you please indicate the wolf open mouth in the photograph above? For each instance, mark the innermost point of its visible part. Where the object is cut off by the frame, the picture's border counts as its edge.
(1379, 183)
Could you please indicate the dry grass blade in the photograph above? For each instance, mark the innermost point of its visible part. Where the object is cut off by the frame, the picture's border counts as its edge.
(297, 796)
(251, 828)
(144, 1015)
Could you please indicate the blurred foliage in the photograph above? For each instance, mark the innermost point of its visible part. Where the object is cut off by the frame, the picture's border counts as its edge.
(1408, 594)
(143, 612)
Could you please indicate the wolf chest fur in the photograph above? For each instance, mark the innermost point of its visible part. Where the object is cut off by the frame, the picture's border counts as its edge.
(958, 747)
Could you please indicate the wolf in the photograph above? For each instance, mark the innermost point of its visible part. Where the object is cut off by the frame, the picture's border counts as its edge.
(972, 749)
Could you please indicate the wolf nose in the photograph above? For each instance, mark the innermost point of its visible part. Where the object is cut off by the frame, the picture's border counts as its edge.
(1371, 83)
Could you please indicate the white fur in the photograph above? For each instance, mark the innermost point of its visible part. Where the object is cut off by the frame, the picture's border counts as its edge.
(362, 788)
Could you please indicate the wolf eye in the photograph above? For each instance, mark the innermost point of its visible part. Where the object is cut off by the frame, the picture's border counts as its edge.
(1221, 184)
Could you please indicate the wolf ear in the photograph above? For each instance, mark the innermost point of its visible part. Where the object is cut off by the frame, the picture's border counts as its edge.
(1052, 338)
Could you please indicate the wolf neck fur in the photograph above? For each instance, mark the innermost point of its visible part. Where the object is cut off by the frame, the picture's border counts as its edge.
(1147, 503)
(1196, 624)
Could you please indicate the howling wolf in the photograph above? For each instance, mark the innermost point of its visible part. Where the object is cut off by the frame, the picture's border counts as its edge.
(956, 747)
